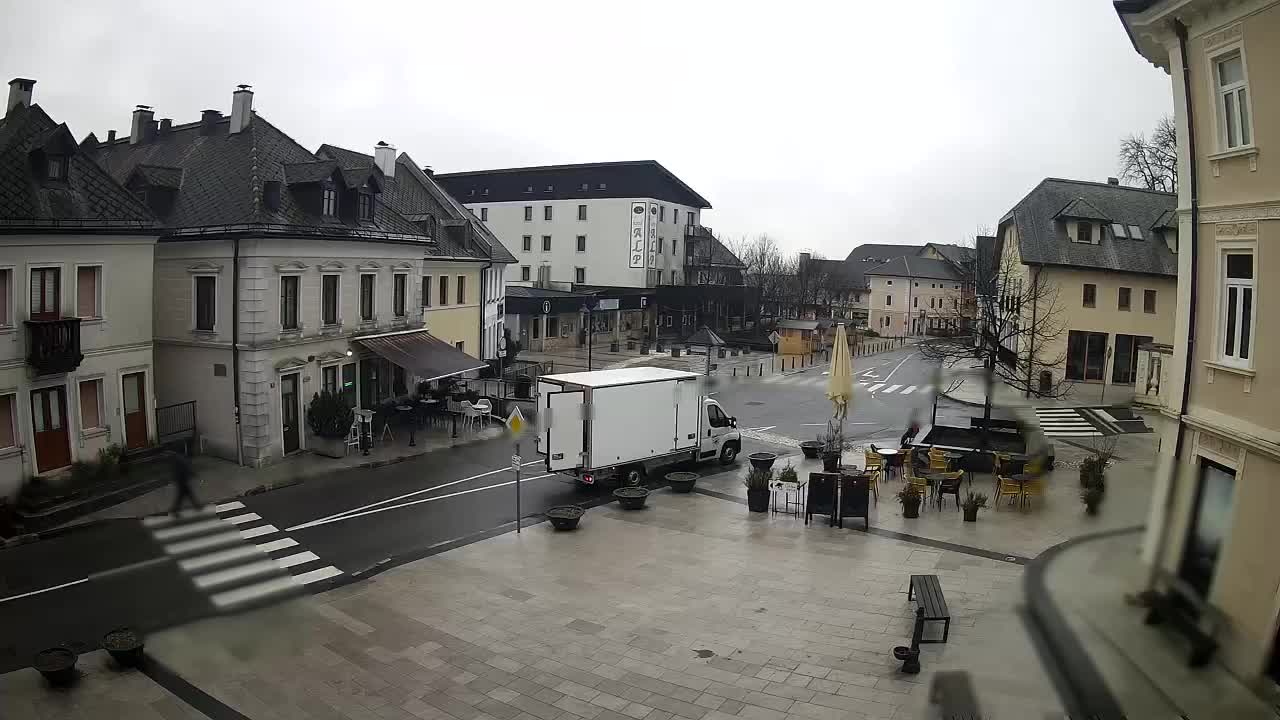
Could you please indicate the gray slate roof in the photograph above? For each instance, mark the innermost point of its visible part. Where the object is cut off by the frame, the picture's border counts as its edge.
(1042, 239)
(958, 254)
(89, 198)
(869, 255)
(917, 267)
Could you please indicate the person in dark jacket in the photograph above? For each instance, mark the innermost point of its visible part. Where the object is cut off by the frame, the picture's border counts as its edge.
(182, 477)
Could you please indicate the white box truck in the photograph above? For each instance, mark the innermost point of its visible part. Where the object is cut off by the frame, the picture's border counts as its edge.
(620, 424)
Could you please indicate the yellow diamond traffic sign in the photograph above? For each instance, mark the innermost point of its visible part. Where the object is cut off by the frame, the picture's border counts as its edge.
(515, 421)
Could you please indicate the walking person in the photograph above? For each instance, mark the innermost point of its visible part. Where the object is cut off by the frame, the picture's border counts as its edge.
(182, 476)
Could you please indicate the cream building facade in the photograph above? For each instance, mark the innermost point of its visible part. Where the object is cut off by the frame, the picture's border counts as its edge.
(1212, 520)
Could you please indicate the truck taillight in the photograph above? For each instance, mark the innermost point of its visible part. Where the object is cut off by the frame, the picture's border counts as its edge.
(588, 479)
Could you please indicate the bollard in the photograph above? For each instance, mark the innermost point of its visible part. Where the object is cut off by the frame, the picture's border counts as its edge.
(735, 372)
(760, 370)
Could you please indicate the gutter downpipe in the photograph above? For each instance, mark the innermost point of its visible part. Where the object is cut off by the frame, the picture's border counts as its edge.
(235, 345)
(1158, 559)
(1031, 341)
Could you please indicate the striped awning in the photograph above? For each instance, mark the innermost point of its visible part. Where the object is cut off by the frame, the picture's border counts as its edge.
(421, 353)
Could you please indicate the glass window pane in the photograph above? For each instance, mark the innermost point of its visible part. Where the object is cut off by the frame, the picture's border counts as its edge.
(1229, 110)
(39, 400)
(1240, 266)
(1135, 232)
(1241, 102)
(1246, 321)
(87, 292)
(1118, 230)
(90, 417)
(55, 410)
(1231, 322)
(7, 434)
(131, 392)
(1230, 70)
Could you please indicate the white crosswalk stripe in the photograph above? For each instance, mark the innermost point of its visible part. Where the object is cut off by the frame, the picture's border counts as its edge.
(236, 558)
(892, 388)
(1065, 423)
(875, 387)
(816, 380)
(909, 389)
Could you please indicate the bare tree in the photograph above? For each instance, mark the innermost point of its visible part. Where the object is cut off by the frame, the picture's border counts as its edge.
(1017, 325)
(1152, 162)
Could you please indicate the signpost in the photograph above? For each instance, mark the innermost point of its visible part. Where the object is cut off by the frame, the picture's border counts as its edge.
(774, 338)
(515, 425)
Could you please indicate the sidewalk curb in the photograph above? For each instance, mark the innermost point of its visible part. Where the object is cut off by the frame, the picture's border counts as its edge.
(970, 403)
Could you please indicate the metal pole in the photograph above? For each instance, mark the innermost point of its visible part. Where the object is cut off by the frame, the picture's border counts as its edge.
(590, 332)
(518, 488)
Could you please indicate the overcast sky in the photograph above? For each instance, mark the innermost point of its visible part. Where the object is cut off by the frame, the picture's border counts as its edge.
(823, 125)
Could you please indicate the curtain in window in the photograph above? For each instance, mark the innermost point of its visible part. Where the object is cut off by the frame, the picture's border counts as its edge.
(90, 409)
(4, 301)
(7, 435)
(87, 292)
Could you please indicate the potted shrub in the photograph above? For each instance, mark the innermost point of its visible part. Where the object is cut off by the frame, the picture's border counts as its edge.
(329, 418)
(757, 482)
(833, 447)
(910, 499)
(644, 349)
(57, 665)
(682, 482)
(1092, 498)
(631, 498)
(812, 449)
(565, 517)
(762, 460)
(124, 645)
(675, 352)
(614, 346)
(971, 503)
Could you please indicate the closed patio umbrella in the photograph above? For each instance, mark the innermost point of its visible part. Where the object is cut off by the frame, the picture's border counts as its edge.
(840, 377)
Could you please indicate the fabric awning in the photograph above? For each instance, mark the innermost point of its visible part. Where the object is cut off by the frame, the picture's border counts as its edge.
(421, 353)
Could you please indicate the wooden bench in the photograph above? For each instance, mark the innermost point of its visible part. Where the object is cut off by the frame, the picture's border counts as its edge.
(1180, 605)
(927, 591)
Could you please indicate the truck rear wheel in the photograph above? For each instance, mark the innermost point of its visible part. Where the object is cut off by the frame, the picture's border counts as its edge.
(728, 453)
(632, 476)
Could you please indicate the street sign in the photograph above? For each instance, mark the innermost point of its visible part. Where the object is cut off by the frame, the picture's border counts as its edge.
(546, 307)
(774, 337)
(515, 421)
(502, 352)
(515, 462)
(607, 304)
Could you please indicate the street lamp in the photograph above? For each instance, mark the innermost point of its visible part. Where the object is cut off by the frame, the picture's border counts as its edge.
(586, 309)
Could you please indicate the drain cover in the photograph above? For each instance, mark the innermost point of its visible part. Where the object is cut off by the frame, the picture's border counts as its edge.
(753, 402)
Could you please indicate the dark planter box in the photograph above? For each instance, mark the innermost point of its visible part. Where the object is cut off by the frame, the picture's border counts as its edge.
(758, 500)
(631, 344)
(812, 449)
(631, 498)
(830, 461)
(565, 517)
(762, 460)
(57, 665)
(613, 347)
(675, 352)
(911, 509)
(971, 515)
(682, 482)
(125, 647)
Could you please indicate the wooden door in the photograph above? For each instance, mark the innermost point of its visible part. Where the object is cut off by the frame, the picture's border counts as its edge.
(49, 424)
(134, 389)
(46, 293)
(289, 411)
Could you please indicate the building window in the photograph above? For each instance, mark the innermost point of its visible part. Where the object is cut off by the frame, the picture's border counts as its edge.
(582, 211)
(528, 213)
(931, 303)
(329, 299)
(602, 186)
(6, 297)
(206, 302)
(1090, 295)
(579, 275)
(955, 303)
(661, 241)
(524, 273)
(329, 379)
(528, 188)
(1084, 233)
(888, 300)
(399, 285)
(8, 422)
(1237, 308)
(888, 282)
(1149, 301)
(349, 384)
(89, 291)
(915, 302)
(426, 291)
(461, 345)
(582, 243)
(462, 289)
(662, 213)
(46, 294)
(675, 216)
(484, 214)
(91, 416)
(546, 212)
(366, 297)
(1122, 302)
(57, 167)
(546, 243)
(442, 297)
(1209, 526)
(673, 277)
(365, 206)
(329, 202)
(673, 245)
(1233, 101)
(526, 243)
(289, 302)
(1086, 355)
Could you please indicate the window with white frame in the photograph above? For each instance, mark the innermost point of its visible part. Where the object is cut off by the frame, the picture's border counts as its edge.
(206, 302)
(91, 415)
(579, 275)
(484, 214)
(329, 379)
(528, 213)
(526, 243)
(89, 291)
(329, 202)
(582, 212)
(6, 297)
(366, 297)
(1236, 322)
(289, 302)
(399, 293)
(8, 421)
(1233, 101)
(426, 291)
(329, 285)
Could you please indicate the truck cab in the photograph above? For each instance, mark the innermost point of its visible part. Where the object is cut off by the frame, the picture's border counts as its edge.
(720, 436)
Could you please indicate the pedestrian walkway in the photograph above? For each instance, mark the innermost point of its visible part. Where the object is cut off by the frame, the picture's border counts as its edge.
(235, 558)
(814, 378)
(1065, 422)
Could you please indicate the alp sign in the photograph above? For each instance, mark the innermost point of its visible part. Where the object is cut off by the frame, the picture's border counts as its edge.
(638, 240)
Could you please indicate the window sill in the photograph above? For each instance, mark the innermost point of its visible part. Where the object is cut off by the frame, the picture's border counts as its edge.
(1234, 370)
(10, 452)
(331, 329)
(1249, 151)
(92, 321)
(90, 433)
(204, 334)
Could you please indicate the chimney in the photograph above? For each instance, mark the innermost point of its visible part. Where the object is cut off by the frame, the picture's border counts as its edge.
(241, 108)
(141, 124)
(165, 126)
(111, 136)
(384, 156)
(426, 170)
(19, 92)
(1113, 181)
(804, 259)
(208, 120)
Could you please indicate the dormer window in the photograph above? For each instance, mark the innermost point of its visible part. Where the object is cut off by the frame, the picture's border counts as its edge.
(1084, 232)
(329, 202)
(57, 167)
(364, 206)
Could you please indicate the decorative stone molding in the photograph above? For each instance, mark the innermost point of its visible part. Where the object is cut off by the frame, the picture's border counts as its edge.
(1214, 445)
(402, 267)
(1240, 214)
(330, 356)
(1237, 230)
(331, 266)
(1226, 35)
(292, 266)
(290, 363)
(204, 267)
(369, 266)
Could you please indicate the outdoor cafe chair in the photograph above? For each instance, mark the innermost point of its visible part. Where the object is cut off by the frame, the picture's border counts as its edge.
(471, 414)
(938, 460)
(484, 408)
(918, 482)
(1007, 487)
(950, 485)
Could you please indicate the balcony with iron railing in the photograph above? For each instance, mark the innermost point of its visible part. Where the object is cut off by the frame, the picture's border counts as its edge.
(698, 231)
(53, 346)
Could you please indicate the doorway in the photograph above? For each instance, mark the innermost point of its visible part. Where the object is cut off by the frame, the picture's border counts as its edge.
(49, 425)
(1209, 526)
(1124, 369)
(133, 387)
(289, 412)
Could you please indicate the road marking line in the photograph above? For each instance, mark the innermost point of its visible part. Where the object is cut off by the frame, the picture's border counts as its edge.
(45, 590)
(233, 505)
(242, 519)
(180, 531)
(352, 516)
(253, 592)
(317, 575)
(235, 574)
(201, 562)
(910, 389)
(892, 388)
(876, 387)
(766, 427)
(275, 545)
(259, 531)
(207, 542)
(895, 367)
(302, 557)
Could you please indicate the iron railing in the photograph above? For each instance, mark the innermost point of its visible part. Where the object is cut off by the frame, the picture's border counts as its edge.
(176, 422)
(53, 346)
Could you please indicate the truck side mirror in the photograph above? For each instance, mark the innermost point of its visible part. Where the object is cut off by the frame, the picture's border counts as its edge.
(733, 421)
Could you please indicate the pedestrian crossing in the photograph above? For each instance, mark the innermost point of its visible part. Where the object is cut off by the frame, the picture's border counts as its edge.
(819, 380)
(235, 558)
(1066, 422)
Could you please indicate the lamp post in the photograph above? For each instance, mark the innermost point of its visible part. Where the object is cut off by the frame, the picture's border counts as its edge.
(587, 308)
